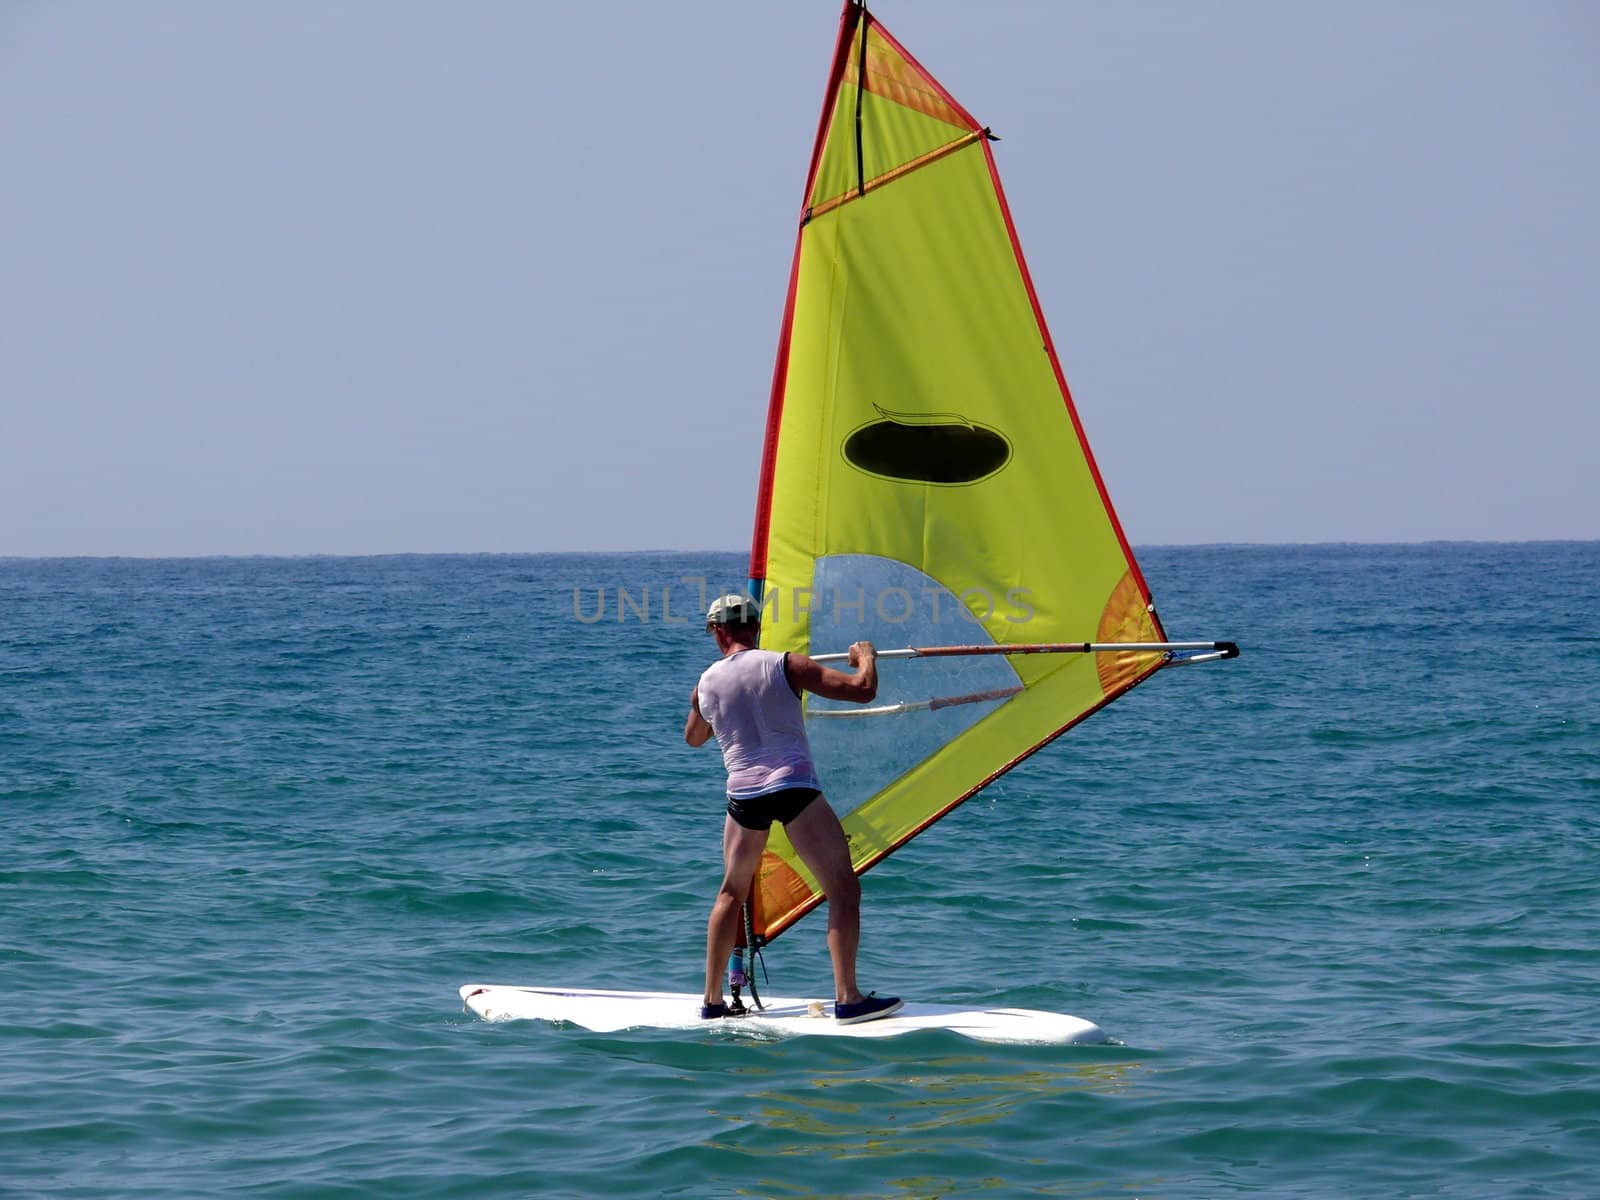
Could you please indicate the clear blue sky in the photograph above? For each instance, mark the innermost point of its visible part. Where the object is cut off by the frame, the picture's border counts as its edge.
(377, 277)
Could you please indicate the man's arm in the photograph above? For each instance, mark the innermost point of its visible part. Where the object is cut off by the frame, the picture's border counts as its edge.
(862, 687)
(695, 730)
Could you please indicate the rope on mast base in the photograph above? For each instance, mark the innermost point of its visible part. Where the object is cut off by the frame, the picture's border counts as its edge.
(752, 952)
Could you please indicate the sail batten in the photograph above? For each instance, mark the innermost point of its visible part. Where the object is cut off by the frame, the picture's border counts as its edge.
(890, 176)
(925, 476)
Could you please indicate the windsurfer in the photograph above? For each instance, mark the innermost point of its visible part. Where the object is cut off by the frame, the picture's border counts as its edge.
(749, 700)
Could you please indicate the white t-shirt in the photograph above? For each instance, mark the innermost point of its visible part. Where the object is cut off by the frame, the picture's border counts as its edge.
(760, 726)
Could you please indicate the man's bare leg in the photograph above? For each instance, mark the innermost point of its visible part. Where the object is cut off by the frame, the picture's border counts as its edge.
(819, 840)
(741, 854)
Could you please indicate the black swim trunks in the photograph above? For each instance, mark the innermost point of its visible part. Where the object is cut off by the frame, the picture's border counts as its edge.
(759, 812)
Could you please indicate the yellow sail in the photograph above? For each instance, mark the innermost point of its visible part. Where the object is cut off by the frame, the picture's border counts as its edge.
(925, 479)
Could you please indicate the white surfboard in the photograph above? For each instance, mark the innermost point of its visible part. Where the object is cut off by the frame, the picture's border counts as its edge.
(610, 1012)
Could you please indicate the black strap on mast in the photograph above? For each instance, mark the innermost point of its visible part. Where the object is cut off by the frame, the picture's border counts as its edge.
(861, 96)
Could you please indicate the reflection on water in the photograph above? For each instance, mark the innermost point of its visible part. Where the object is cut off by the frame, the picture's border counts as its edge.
(862, 1110)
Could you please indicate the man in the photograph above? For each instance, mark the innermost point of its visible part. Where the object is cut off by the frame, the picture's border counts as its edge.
(750, 701)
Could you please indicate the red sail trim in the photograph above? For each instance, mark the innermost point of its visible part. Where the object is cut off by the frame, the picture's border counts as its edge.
(890, 76)
(769, 448)
(848, 20)
(783, 920)
(933, 83)
(1066, 394)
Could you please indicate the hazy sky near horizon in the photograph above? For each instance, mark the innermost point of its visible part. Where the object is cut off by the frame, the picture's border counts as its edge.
(384, 277)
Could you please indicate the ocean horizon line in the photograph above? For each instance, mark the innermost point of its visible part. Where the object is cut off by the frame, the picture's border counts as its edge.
(302, 556)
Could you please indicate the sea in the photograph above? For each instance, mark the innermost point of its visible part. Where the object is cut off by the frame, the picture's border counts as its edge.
(1336, 902)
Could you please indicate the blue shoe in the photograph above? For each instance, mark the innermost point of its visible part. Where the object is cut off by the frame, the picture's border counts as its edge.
(710, 1012)
(869, 1009)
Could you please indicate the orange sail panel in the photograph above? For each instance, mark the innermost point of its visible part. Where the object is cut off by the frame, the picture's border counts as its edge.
(925, 479)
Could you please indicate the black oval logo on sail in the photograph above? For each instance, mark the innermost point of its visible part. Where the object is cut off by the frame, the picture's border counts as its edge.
(926, 448)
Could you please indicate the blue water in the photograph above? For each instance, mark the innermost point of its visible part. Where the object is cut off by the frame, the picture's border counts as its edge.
(1337, 902)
